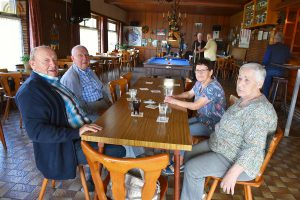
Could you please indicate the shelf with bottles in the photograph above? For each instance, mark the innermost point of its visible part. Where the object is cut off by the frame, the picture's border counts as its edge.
(259, 13)
(248, 14)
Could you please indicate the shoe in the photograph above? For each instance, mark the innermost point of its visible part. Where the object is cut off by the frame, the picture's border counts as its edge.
(170, 169)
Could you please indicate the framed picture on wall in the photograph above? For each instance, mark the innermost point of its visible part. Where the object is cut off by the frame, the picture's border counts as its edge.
(161, 31)
(133, 35)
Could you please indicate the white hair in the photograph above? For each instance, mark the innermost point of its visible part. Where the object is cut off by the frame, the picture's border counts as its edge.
(77, 47)
(278, 37)
(259, 71)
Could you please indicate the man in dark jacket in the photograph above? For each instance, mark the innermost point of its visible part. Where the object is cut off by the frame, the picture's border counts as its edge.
(198, 55)
(276, 53)
(53, 119)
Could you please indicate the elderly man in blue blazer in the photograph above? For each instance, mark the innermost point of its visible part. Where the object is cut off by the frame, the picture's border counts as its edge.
(54, 120)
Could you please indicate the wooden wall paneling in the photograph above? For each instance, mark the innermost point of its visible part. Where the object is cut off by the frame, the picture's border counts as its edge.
(155, 21)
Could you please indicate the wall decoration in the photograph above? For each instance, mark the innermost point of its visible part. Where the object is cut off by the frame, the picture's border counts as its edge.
(133, 35)
(144, 42)
(161, 31)
(260, 35)
(145, 29)
(54, 37)
(245, 35)
(154, 43)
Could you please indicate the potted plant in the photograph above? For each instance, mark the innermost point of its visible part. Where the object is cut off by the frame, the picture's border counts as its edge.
(25, 59)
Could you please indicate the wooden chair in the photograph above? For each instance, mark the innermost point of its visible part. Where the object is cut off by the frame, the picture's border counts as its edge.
(125, 60)
(9, 90)
(128, 77)
(83, 181)
(259, 178)
(123, 85)
(221, 64)
(2, 138)
(64, 64)
(118, 167)
(232, 99)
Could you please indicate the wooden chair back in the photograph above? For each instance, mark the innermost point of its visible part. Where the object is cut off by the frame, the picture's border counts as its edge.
(64, 64)
(5, 78)
(259, 178)
(125, 57)
(188, 84)
(123, 85)
(128, 77)
(232, 99)
(118, 167)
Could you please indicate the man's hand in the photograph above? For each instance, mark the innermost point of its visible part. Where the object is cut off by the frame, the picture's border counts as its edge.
(89, 127)
(230, 178)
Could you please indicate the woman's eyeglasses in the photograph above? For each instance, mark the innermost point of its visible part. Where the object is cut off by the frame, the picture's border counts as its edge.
(200, 70)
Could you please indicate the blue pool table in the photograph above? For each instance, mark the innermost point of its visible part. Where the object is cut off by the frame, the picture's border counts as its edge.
(167, 67)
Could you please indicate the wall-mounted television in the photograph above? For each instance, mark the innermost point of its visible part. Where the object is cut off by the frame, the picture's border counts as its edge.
(81, 9)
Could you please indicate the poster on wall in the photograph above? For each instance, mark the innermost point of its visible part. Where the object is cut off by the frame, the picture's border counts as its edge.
(132, 35)
(245, 35)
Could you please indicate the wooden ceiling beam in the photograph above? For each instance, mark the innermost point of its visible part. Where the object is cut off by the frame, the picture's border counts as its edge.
(183, 3)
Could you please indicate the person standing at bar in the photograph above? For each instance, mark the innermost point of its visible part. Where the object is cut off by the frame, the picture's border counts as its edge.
(276, 53)
(210, 49)
(197, 46)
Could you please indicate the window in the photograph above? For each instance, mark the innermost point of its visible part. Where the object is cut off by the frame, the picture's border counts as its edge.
(112, 35)
(89, 35)
(11, 48)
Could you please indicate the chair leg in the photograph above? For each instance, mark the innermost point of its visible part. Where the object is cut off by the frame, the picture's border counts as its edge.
(275, 93)
(43, 189)
(248, 193)
(83, 182)
(20, 120)
(6, 112)
(285, 93)
(2, 137)
(53, 183)
(212, 190)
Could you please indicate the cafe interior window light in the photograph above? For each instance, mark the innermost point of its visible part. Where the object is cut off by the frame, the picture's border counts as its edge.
(112, 35)
(89, 34)
(10, 36)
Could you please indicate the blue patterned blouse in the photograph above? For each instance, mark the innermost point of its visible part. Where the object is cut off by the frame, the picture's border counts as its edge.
(211, 113)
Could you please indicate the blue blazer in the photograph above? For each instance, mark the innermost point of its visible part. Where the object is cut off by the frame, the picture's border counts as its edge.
(276, 53)
(44, 115)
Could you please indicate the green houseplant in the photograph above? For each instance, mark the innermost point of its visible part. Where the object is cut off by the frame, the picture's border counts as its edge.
(25, 59)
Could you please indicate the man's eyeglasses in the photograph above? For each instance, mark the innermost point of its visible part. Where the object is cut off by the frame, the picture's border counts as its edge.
(200, 70)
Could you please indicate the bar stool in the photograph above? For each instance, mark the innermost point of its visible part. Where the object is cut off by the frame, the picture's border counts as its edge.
(282, 82)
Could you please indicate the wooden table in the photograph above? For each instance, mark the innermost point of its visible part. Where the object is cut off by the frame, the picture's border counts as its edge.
(294, 98)
(122, 129)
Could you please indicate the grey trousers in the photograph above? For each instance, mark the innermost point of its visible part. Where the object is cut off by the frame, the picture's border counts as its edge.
(200, 163)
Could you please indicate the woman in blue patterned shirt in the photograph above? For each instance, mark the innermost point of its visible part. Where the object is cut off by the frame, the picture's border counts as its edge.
(209, 102)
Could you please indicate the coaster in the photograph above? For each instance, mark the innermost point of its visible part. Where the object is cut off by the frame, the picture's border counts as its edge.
(148, 82)
(149, 101)
(151, 106)
(141, 114)
(162, 121)
(155, 91)
(144, 89)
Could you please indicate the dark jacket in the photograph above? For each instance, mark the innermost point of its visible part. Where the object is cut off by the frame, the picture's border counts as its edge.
(276, 53)
(197, 44)
(44, 115)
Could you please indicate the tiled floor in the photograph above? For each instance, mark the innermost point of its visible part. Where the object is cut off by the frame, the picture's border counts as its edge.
(19, 178)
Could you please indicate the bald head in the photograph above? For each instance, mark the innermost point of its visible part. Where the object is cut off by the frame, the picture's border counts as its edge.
(199, 37)
(80, 57)
(43, 60)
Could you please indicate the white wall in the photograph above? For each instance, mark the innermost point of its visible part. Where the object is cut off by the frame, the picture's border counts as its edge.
(109, 10)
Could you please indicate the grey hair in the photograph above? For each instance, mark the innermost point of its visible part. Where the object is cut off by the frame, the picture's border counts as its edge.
(35, 49)
(259, 71)
(77, 47)
(278, 37)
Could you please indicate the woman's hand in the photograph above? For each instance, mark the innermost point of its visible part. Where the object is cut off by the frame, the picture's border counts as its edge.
(169, 99)
(230, 179)
(89, 127)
